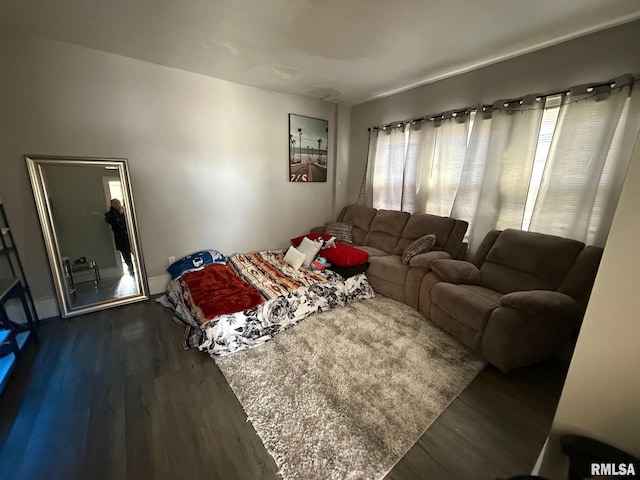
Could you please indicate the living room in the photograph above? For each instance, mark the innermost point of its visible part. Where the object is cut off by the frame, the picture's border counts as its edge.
(205, 154)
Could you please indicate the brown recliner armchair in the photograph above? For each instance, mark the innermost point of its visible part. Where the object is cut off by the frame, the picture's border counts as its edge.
(518, 301)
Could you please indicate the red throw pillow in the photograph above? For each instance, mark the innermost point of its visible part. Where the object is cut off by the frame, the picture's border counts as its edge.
(344, 255)
(311, 236)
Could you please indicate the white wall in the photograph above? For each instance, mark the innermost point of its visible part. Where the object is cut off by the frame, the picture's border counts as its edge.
(596, 57)
(601, 395)
(208, 158)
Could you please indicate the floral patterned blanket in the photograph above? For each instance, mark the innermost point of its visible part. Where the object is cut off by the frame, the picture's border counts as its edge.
(267, 272)
(238, 331)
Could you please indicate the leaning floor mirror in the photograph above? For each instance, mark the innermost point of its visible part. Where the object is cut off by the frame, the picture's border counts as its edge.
(88, 223)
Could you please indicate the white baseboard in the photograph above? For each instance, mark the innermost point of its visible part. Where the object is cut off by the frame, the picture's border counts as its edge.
(46, 307)
(158, 284)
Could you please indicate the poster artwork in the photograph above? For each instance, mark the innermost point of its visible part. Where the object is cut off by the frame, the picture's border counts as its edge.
(308, 149)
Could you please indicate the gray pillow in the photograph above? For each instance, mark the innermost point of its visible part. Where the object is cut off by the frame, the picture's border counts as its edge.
(340, 230)
(420, 245)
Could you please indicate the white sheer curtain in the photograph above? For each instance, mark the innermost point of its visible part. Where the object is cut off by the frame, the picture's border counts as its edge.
(497, 169)
(366, 189)
(388, 172)
(588, 159)
(540, 164)
(435, 156)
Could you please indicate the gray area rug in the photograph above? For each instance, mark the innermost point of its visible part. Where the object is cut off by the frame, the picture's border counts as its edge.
(346, 393)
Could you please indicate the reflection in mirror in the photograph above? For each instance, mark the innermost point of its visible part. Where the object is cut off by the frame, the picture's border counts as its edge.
(88, 221)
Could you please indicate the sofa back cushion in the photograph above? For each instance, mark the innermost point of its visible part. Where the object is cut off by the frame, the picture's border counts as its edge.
(420, 224)
(579, 280)
(455, 245)
(486, 245)
(386, 229)
(360, 217)
(521, 260)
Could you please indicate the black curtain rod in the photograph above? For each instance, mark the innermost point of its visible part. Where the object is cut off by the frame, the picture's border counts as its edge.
(618, 82)
(451, 113)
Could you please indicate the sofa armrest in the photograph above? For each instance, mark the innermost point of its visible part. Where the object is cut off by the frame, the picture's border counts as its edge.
(424, 259)
(319, 229)
(457, 271)
(541, 303)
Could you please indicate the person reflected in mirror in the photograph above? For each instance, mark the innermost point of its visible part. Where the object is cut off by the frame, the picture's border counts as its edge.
(115, 217)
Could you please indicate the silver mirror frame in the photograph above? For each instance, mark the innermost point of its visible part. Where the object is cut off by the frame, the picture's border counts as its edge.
(34, 166)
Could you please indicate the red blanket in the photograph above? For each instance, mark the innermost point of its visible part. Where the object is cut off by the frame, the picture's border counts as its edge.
(217, 290)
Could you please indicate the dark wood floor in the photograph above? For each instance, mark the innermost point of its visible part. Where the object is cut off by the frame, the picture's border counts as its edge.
(112, 395)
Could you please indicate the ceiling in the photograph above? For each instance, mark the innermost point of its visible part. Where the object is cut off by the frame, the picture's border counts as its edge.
(337, 50)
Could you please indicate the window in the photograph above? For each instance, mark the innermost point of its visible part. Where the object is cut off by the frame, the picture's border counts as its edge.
(557, 169)
(547, 127)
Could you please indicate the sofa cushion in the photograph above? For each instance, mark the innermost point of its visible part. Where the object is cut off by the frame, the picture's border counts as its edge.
(483, 250)
(541, 303)
(385, 230)
(579, 281)
(373, 252)
(388, 267)
(340, 230)
(424, 260)
(360, 217)
(420, 245)
(344, 255)
(420, 224)
(469, 337)
(457, 271)
(470, 305)
(521, 260)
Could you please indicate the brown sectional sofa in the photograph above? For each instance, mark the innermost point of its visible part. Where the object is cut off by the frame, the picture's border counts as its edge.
(518, 301)
(384, 234)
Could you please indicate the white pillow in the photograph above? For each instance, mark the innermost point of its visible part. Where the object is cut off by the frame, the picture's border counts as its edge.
(310, 249)
(294, 257)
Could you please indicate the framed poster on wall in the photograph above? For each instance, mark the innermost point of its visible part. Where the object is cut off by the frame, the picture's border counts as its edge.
(308, 148)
